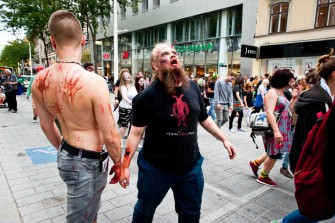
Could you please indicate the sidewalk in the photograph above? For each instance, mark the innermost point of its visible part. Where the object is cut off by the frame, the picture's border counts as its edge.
(32, 193)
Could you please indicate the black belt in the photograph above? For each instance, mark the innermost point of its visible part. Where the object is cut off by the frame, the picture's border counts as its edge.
(223, 103)
(76, 151)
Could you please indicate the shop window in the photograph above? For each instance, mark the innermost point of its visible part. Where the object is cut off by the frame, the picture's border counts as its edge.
(123, 12)
(278, 17)
(144, 5)
(234, 21)
(325, 13)
(156, 3)
(212, 25)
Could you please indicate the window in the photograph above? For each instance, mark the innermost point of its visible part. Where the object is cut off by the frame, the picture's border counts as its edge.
(234, 21)
(134, 7)
(325, 13)
(278, 18)
(144, 5)
(156, 3)
(123, 12)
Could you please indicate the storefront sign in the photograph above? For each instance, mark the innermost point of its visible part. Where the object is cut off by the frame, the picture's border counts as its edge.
(249, 51)
(195, 47)
(106, 56)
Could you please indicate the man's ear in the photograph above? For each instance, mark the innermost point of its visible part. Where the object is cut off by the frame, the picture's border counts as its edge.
(83, 40)
(53, 42)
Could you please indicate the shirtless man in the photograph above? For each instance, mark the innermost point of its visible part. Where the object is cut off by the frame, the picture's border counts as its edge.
(80, 101)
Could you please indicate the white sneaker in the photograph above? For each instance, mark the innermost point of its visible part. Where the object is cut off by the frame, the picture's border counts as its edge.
(241, 130)
(232, 130)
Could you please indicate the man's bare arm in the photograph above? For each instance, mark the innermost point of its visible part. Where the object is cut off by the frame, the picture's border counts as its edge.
(133, 140)
(105, 120)
(47, 120)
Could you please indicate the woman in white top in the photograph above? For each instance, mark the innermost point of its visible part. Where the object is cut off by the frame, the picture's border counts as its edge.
(128, 92)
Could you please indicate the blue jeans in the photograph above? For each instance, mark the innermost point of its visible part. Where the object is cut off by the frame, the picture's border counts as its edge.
(286, 160)
(85, 184)
(154, 184)
(211, 111)
(297, 217)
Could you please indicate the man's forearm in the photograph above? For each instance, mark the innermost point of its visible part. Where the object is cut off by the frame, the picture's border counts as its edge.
(131, 147)
(52, 133)
(114, 148)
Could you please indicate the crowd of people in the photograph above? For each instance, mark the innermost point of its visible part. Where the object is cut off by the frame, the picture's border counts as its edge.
(165, 112)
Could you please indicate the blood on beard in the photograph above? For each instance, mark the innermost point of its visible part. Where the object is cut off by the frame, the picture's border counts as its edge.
(172, 77)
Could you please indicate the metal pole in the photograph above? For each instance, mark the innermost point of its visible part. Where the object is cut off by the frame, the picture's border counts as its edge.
(115, 42)
(31, 63)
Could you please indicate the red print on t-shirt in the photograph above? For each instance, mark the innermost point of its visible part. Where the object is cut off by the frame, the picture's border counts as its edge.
(180, 110)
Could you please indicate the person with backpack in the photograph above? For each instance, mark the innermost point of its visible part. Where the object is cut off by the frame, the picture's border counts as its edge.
(279, 142)
(310, 103)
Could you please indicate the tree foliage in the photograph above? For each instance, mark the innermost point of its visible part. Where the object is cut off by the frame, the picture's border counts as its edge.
(33, 15)
(14, 52)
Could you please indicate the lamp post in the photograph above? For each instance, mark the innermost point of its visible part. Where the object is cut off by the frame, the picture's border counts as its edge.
(31, 64)
(116, 58)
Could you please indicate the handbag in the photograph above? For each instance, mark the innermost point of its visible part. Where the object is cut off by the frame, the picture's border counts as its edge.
(260, 125)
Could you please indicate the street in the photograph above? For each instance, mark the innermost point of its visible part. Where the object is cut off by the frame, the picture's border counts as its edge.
(32, 191)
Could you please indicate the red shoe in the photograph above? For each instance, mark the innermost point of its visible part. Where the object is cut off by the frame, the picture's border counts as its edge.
(267, 181)
(254, 168)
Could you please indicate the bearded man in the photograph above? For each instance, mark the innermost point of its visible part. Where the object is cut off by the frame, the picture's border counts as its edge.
(169, 109)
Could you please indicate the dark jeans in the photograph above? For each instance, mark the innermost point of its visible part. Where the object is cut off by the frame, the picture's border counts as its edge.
(11, 100)
(239, 121)
(154, 184)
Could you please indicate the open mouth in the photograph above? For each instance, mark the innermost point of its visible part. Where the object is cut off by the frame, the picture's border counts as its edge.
(174, 62)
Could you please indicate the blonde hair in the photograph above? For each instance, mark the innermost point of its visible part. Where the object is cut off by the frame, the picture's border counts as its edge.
(65, 28)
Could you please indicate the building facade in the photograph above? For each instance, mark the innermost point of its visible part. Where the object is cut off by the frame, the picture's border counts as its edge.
(293, 34)
(208, 35)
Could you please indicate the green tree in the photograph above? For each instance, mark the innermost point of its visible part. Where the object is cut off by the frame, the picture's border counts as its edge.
(14, 53)
(33, 16)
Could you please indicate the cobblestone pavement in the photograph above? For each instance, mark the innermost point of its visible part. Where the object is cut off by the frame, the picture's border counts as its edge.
(32, 193)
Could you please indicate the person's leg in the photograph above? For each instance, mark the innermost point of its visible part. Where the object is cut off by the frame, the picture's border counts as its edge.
(152, 187)
(256, 163)
(297, 217)
(34, 111)
(219, 114)
(85, 185)
(9, 100)
(225, 113)
(187, 193)
(239, 121)
(267, 167)
(284, 169)
(211, 111)
(247, 116)
(14, 100)
(231, 119)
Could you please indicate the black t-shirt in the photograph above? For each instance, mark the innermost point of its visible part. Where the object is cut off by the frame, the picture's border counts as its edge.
(248, 94)
(237, 89)
(211, 86)
(170, 142)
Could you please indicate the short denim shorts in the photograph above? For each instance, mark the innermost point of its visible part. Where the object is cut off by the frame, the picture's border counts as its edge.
(85, 185)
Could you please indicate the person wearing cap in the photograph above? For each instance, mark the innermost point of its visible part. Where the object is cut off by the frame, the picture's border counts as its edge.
(38, 69)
